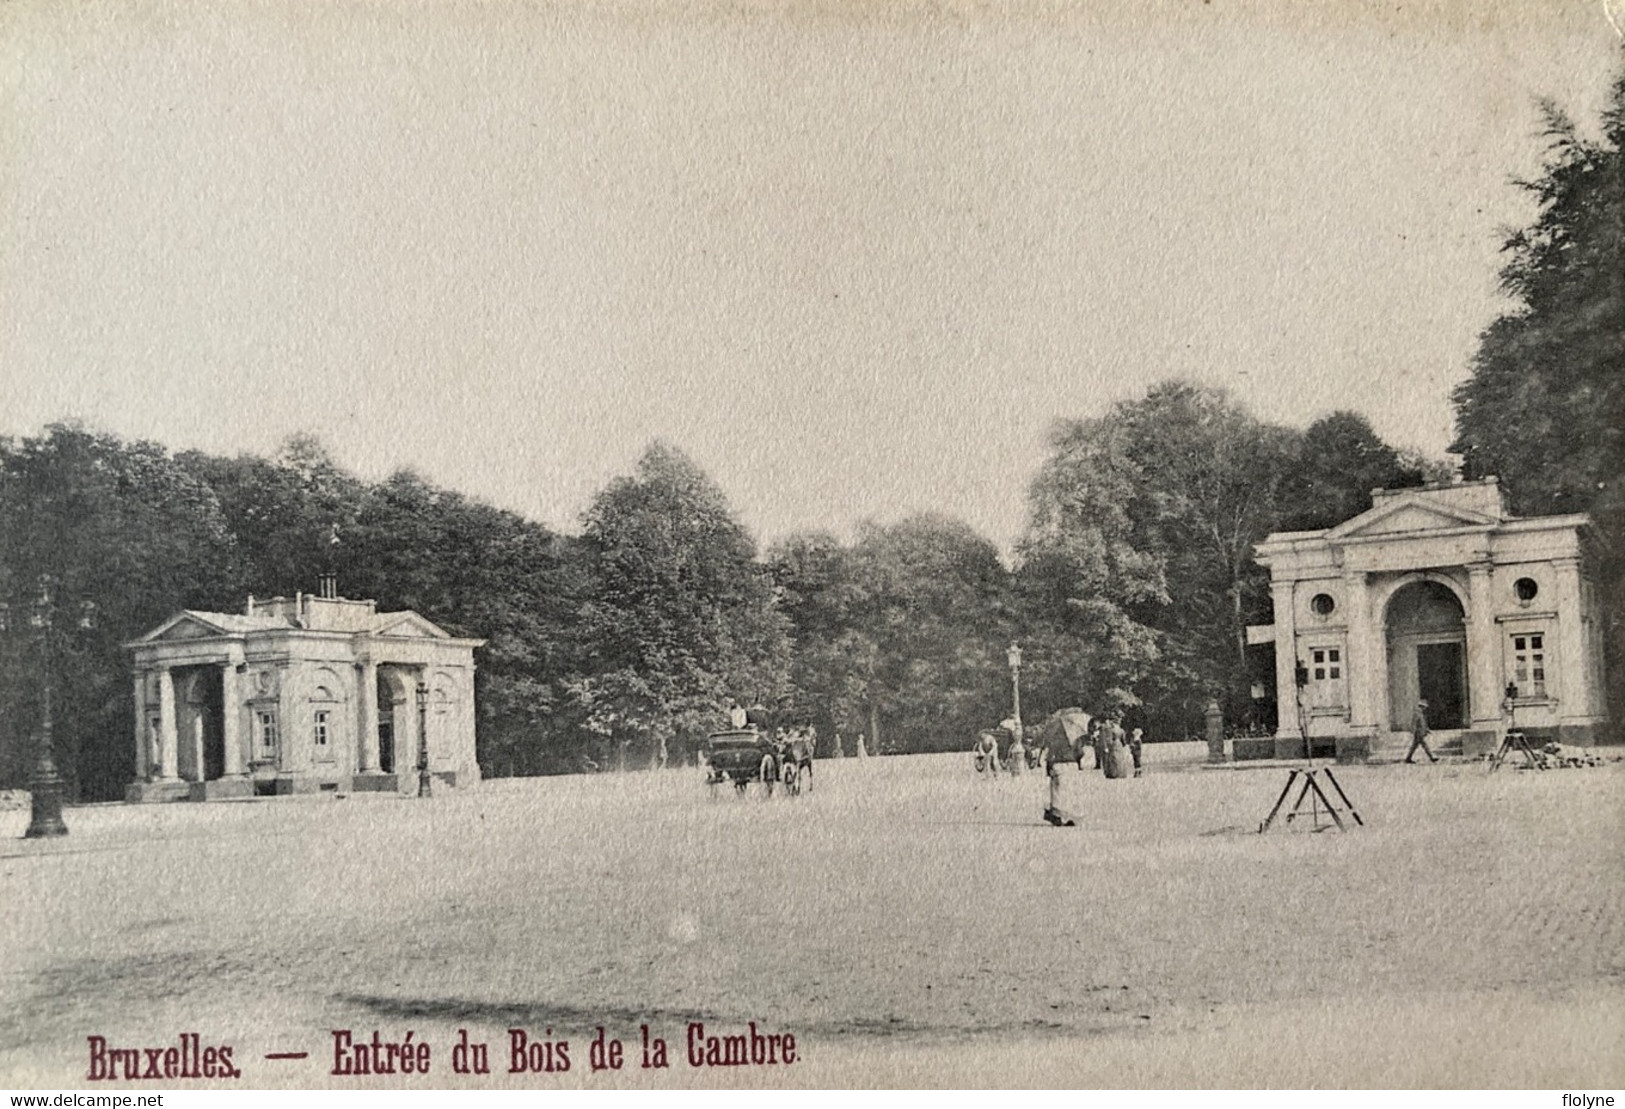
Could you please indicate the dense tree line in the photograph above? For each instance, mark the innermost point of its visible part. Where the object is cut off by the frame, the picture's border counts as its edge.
(1544, 408)
(1131, 588)
(1137, 573)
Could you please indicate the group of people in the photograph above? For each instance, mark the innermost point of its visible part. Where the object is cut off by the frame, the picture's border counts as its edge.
(1107, 738)
(1061, 740)
(802, 737)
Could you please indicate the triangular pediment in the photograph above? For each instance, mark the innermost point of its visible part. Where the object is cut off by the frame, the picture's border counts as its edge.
(192, 624)
(184, 626)
(407, 625)
(1410, 516)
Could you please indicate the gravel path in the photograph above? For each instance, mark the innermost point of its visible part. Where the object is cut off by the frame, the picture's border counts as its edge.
(907, 921)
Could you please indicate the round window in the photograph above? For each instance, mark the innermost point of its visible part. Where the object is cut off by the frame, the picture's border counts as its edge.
(1526, 589)
(1322, 604)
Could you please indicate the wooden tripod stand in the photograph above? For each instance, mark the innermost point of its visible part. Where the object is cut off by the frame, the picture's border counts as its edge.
(1317, 798)
(1311, 791)
(1515, 741)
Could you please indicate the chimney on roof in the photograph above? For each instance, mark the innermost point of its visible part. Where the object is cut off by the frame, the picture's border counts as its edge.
(329, 586)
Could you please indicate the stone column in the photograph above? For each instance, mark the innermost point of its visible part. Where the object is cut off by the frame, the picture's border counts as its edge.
(168, 740)
(1570, 660)
(143, 742)
(424, 723)
(1484, 667)
(199, 772)
(368, 747)
(1286, 661)
(231, 717)
(1365, 654)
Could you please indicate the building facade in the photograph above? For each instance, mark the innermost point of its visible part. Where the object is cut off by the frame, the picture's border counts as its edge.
(303, 695)
(1435, 594)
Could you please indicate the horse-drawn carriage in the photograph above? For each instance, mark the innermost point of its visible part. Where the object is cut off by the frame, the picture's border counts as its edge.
(741, 756)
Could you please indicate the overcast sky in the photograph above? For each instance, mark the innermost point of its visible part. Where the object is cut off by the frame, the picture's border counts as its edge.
(854, 264)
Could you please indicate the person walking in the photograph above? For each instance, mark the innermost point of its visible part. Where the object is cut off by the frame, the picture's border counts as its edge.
(1135, 742)
(1058, 749)
(986, 754)
(1419, 733)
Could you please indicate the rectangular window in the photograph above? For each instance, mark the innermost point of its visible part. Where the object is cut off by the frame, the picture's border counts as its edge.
(1529, 665)
(1325, 691)
(320, 731)
(1328, 663)
(267, 732)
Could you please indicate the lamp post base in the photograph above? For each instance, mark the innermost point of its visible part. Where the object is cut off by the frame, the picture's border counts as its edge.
(45, 809)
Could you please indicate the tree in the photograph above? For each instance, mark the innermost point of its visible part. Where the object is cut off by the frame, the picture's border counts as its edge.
(479, 571)
(121, 535)
(679, 619)
(900, 636)
(1544, 405)
(1085, 583)
(290, 515)
(1150, 515)
(1339, 461)
(1137, 569)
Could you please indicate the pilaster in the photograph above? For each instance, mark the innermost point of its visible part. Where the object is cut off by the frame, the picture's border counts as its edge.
(368, 747)
(231, 717)
(1572, 665)
(1484, 666)
(1367, 656)
(1286, 660)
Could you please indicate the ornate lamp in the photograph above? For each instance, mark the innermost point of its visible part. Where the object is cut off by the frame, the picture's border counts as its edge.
(425, 779)
(46, 786)
(1013, 656)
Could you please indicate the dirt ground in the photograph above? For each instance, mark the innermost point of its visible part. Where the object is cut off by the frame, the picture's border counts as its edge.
(909, 923)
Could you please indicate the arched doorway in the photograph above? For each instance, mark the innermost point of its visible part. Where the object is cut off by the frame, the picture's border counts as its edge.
(1427, 656)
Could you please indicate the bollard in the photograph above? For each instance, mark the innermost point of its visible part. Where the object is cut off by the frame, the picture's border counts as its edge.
(1215, 732)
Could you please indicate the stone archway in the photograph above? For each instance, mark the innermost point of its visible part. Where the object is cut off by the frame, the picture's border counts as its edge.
(1426, 630)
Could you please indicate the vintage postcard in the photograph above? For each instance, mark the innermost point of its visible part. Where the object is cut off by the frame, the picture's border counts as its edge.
(811, 545)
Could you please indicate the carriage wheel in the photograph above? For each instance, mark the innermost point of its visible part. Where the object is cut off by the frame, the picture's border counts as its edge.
(769, 772)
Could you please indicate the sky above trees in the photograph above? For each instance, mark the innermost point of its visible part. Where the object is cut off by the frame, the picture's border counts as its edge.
(854, 266)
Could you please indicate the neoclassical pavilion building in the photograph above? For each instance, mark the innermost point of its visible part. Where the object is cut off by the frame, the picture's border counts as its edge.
(1434, 593)
(302, 695)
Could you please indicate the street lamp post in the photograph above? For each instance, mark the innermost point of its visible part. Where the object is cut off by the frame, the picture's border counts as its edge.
(425, 779)
(1013, 655)
(45, 789)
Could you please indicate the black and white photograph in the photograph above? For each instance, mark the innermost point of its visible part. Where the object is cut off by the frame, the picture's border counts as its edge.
(812, 544)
